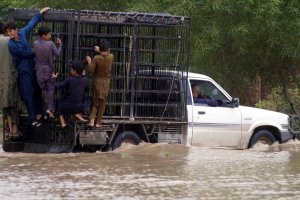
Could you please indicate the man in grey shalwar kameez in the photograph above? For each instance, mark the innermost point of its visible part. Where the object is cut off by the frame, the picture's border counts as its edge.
(10, 101)
(45, 50)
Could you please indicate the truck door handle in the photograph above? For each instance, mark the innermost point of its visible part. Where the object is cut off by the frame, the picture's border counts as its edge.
(201, 112)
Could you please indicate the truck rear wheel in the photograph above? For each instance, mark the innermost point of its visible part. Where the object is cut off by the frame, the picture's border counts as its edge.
(264, 137)
(128, 137)
(9, 146)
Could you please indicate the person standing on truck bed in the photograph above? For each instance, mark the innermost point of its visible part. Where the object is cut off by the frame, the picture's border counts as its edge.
(74, 87)
(45, 50)
(100, 67)
(198, 98)
(8, 88)
(23, 58)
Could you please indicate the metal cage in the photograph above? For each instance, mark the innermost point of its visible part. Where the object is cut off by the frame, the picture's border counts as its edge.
(146, 47)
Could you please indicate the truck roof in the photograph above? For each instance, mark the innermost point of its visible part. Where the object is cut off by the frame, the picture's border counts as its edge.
(173, 73)
(195, 75)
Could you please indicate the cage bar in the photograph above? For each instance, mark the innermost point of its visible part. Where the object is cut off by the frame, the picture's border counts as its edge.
(150, 51)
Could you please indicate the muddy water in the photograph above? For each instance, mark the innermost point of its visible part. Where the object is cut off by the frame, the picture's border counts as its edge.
(154, 171)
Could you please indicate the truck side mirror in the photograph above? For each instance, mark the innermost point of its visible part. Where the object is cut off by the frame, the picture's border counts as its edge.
(235, 102)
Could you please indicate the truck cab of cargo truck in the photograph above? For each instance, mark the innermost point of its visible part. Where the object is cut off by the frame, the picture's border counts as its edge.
(229, 124)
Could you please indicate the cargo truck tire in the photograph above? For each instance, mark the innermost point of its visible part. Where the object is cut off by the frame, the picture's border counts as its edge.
(128, 137)
(264, 137)
(9, 146)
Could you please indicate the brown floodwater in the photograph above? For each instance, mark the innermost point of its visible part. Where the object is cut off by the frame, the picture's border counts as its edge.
(154, 171)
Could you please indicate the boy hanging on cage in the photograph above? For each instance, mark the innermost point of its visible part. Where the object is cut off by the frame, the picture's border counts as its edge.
(100, 67)
(9, 96)
(24, 61)
(74, 87)
(45, 50)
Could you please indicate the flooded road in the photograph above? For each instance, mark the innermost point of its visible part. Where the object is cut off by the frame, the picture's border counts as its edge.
(154, 171)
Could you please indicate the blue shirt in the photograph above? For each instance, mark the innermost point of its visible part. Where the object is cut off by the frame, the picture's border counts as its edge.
(210, 102)
(21, 50)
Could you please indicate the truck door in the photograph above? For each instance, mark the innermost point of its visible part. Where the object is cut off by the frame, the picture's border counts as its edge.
(215, 126)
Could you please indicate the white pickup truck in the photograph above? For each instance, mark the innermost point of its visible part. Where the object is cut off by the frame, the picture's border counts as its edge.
(173, 117)
(150, 96)
(230, 124)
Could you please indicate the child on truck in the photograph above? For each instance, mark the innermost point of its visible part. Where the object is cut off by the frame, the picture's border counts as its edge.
(45, 50)
(23, 58)
(74, 87)
(100, 67)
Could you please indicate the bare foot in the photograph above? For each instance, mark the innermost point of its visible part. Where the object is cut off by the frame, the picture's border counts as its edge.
(51, 115)
(80, 118)
(91, 123)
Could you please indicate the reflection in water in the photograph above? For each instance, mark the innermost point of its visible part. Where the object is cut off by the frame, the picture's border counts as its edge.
(154, 171)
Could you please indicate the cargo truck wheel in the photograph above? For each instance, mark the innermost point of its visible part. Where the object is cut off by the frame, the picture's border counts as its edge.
(128, 137)
(264, 137)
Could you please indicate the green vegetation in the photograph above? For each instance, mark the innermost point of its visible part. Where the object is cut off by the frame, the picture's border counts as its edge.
(231, 41)
(276, 100)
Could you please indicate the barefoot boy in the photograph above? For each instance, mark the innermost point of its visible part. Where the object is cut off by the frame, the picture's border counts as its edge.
(74, 87)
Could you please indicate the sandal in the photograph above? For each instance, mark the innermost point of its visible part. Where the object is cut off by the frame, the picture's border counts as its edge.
(36, 124)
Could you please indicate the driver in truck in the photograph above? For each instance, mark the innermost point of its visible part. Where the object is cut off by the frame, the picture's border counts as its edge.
(198, 98)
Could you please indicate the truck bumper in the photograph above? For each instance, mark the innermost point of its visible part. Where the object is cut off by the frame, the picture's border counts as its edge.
(287, 135)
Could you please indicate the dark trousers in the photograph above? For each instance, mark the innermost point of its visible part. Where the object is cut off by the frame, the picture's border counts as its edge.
(31, 95)
(71, 108)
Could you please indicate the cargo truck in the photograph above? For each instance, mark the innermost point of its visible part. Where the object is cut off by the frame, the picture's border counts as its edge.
(150, 97)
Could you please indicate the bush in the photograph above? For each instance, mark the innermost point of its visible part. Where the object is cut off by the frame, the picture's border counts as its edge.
(277, 101)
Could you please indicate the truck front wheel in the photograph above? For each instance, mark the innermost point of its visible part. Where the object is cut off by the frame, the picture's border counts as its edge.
(126, 137)
(264, 137)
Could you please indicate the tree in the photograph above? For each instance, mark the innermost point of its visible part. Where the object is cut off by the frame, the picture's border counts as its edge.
(231, 41)
(235, 41)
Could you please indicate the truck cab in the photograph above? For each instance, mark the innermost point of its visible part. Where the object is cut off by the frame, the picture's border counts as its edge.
(229, 124)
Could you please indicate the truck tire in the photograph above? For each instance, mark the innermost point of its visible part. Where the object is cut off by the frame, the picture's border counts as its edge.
(126, 137)
(264, 137)
(9, 146)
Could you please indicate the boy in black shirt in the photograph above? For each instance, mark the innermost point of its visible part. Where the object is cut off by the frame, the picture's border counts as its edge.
(74, 87)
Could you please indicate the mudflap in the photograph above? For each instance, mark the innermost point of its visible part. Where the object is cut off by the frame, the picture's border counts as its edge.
(35, 148)
(45, 139)
(60, 148)
(38, 138)
(40, 134)
(46, 148)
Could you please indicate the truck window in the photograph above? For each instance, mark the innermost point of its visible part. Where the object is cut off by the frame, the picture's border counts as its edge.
(209, 91)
